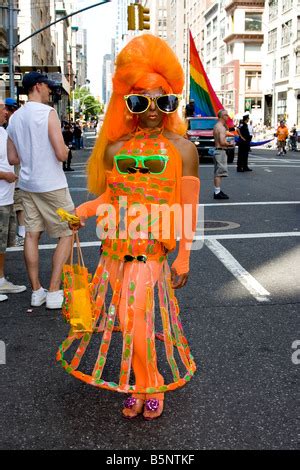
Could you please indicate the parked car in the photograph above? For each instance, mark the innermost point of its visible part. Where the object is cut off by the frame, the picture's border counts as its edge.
(200, 132)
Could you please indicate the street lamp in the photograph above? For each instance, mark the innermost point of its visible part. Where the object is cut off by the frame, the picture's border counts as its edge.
(86, 85)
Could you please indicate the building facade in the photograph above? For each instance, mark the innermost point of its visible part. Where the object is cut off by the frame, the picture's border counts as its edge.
(229, 37)
(106, 78)
(38, 50)
(281, 69)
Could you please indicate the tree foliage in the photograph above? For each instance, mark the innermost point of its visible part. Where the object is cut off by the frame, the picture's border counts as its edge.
(88, 105)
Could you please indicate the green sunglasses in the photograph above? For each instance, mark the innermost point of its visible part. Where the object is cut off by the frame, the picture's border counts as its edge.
(154, 164)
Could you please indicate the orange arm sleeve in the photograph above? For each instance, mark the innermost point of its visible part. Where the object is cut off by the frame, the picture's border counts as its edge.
(89, 208)
(190, 188)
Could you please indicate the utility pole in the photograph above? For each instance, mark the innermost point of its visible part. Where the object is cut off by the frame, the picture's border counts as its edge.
(11, 47)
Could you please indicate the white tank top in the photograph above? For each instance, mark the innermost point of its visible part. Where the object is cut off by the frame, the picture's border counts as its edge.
(40, 170)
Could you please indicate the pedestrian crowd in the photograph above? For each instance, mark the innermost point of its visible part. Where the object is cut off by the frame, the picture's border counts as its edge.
(244, 132)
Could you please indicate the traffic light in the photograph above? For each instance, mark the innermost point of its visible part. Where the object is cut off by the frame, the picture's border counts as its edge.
(144, 17)
(131, 16)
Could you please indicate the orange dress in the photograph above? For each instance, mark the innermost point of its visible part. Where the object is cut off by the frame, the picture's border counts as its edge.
(133, 284)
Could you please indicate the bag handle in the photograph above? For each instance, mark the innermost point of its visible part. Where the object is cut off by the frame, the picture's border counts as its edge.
(75, 237)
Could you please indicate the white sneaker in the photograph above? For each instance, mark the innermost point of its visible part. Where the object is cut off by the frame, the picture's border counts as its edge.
(19, 241)
(10, 288)
(38, 297)
(3, 297)
(54, 299)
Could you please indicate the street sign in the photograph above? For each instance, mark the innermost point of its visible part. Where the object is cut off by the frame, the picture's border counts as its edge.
(3, 60)
(5, 76)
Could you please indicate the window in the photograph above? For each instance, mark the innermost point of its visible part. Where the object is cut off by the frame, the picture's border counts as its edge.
(274, 70)
(229, 48)
(284, 66)
(298, 63)
(229, 78)
(214, 45)
(253, 80)
(281, 105)
(214, 62)
(208, 30)
(222, 55)
(286, 5)
(228, 99)
(273, 9)
(298, 28)
(208, 49)
(252, 103)
(272, 40)
(215, 25)
(286, 33)
(222, 28)
(253, 21)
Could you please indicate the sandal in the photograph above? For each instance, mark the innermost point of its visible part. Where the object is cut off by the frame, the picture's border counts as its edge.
(152, 405)
(135, 405)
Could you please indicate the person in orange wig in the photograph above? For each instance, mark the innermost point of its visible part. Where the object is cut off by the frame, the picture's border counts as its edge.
(141, 163)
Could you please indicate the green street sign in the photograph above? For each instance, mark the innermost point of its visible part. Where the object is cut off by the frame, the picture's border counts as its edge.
(3, 60)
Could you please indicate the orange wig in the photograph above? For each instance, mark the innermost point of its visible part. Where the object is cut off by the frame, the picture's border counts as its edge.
(145, 63)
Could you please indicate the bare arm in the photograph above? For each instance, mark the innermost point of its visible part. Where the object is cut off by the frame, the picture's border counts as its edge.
(190, 159)
(189, 190)
(222, 138)
(12, 154)
(56, 137)
(8, 176)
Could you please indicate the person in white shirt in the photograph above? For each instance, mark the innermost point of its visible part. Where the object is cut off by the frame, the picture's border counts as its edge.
(35, 142)
(11, 107)
(7, 214)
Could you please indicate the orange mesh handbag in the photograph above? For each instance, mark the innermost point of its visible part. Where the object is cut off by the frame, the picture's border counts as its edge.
(78, 305)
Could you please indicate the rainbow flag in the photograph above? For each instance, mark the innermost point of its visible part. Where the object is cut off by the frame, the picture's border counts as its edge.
(206, 101)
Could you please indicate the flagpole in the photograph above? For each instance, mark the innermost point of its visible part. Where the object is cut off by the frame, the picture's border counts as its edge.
(188, 66)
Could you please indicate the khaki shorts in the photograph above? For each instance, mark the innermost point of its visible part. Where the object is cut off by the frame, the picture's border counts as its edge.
(281, 144)
(18, 205)
(7, 227)
(220, 161)
(40, 212)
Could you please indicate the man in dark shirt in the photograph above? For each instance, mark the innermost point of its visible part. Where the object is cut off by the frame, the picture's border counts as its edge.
(243, 145)
(77, 136)
(68, 139)
(190, 109)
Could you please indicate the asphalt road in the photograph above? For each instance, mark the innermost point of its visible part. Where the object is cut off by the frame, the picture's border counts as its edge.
(240, 312)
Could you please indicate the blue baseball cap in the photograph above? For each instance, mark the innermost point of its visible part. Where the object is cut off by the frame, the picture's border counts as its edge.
(32, 78)
(11, 102)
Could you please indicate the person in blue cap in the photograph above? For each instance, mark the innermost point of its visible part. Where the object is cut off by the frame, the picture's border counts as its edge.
(11, 102)
(35, 142)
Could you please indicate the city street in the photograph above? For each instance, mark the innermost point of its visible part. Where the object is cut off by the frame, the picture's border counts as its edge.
(240, 313)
